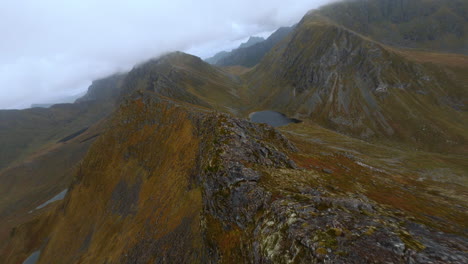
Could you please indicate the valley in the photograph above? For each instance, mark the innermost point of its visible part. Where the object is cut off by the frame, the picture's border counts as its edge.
(331, 145)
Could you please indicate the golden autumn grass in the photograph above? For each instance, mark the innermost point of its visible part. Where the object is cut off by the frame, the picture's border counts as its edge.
(377, 172)
(160, 158)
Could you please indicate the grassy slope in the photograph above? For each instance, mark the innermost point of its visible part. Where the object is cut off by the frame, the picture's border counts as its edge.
(428, 186)
(40, 149)
(252, 55)
(187, 78)
(116, 175)
(23, 132)
(128, 183)
(40, 177)
(49, 168)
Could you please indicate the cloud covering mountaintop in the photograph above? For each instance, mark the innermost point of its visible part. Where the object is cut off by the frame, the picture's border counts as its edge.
(51, 48)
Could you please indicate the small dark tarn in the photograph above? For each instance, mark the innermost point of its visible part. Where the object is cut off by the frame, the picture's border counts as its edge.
(32, 259)
(272, 118)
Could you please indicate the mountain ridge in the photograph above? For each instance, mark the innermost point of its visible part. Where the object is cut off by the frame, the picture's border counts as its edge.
(309, 76)
(375, 172)
(249, 56)
(431, 25)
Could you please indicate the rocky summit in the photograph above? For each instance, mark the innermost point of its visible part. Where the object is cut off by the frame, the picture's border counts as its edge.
(163, 164)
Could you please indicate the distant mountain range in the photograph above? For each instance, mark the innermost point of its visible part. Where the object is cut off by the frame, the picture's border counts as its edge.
(162, 164)
(220, 55)
(250, 53)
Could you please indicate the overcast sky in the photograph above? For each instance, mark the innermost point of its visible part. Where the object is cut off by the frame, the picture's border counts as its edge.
(55, 48)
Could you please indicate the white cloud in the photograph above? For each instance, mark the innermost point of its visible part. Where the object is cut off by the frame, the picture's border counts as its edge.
(52, 48)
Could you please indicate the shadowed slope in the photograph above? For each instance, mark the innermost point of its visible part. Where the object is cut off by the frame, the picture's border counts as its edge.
(23, 132)
(170, 180)
(438, 25)
(40, 149)
(252, 55)
(40, 177)
(188, 78)
(220, 55)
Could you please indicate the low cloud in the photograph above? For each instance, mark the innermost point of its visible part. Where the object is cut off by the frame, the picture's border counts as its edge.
(53, 48)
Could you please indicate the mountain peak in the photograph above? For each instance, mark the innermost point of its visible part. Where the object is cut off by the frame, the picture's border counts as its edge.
(251, 52)
(251, 41)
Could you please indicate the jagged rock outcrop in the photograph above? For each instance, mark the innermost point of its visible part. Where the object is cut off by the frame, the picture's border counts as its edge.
(427, 24)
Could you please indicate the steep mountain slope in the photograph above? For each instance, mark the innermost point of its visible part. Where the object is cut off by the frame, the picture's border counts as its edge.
(220, 55)
(251, 55)
(188, 78)
(427, 24)
(22, 132)
(217, 57)
(46, 168)
(39, 177)
(40, 149)
(251, 41)
(144, 194)
(355, 85)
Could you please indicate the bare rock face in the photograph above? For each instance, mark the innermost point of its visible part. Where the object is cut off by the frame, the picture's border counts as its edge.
(103, 89)
(444, 22)
(357, 86)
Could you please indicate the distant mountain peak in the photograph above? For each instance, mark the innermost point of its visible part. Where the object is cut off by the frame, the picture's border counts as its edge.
(251, 52)
(223, 54)
(251, 41)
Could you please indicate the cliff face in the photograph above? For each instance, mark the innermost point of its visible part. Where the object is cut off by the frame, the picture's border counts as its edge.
(104, 89)
(425, 24)
(173, 183)
(187, 78)
(250, 55)
(354, 85)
